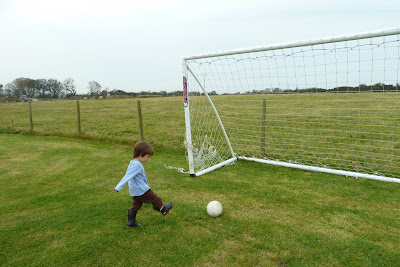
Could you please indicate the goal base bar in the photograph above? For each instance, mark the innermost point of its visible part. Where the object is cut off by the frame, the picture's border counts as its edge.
(326, 170)
(219, 165)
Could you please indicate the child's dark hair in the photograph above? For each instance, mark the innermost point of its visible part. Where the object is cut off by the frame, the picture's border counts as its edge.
(142, 149)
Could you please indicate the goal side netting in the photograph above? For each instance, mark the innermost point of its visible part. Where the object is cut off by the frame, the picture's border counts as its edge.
(330, 105)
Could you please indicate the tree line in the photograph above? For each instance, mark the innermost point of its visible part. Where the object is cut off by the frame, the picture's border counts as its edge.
(378, 87)
(48, 88)
(53, 88)
(40, 88)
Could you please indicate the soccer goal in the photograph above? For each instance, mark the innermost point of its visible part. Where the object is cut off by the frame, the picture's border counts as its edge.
(330, 105)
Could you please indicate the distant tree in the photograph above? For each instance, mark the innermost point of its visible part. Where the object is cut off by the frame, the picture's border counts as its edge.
(8, 90)
(94, 88)
(145, 93)
(163, 93)
(30, 87)
(118, 92)
(276, 90)
(1, 89)
(268, 91)
(11, 89)
(55, 87)
(18, 87)
(41, 88)
(377, 87)
(69, 87)
(176, 93)
(22, 86)
(104, 92)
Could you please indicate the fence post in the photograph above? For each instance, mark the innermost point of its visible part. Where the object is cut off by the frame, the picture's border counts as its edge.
(262, 127)
(140, 120)
(78, 112)
(30, 115)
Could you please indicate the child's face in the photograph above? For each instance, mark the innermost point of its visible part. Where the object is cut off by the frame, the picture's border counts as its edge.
(144, 158)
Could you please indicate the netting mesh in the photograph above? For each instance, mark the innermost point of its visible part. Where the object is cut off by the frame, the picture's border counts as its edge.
(334, 105)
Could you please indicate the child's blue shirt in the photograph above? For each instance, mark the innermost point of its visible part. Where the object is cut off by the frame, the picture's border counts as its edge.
(136, 178)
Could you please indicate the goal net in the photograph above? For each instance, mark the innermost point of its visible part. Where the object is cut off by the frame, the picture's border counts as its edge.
(330, 105)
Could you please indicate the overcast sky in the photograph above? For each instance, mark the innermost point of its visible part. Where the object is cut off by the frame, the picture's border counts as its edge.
(139, 45)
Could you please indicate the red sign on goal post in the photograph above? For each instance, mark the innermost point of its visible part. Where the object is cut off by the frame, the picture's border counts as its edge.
(185, 95)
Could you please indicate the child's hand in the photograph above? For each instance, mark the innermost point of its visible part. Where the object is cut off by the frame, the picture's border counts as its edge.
(115, 190)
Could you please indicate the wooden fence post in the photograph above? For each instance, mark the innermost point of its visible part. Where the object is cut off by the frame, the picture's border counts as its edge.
(262, 127)
(140, 120)
(78, 112)
(30, 115)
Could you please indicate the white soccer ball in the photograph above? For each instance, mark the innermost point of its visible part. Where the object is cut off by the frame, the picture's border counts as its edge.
(214, 208)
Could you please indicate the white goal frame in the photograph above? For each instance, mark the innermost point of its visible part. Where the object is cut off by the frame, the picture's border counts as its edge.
(186, 91)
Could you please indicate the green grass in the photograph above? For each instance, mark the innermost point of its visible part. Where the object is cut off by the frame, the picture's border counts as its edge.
(113, 120)
(351, 132)
(58, 208)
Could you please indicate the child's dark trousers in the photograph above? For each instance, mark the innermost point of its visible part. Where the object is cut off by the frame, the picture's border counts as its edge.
(148, 197)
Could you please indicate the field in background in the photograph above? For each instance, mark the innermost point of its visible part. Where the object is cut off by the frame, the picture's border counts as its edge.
(114, 120)
(346, 131)
(58, 208)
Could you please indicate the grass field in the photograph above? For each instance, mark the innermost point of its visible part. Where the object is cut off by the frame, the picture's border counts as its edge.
(114, 120)
(58, 208)
(352, 132)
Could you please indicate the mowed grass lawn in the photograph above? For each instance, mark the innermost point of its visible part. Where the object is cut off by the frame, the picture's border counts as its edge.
(58, 208)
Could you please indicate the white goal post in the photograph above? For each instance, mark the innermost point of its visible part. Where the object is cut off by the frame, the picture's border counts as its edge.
(328, 105)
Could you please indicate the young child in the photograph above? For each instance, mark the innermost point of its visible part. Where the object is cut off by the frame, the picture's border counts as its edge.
(138, 188)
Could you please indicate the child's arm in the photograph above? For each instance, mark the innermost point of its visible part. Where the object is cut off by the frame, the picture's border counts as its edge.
(130, 173)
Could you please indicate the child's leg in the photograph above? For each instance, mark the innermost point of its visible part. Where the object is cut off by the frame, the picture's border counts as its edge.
(137, 203)
(157, 203)
(132, 219)
(152, 198)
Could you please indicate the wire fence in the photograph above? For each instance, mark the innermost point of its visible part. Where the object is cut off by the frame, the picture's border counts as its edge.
(112, 120)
